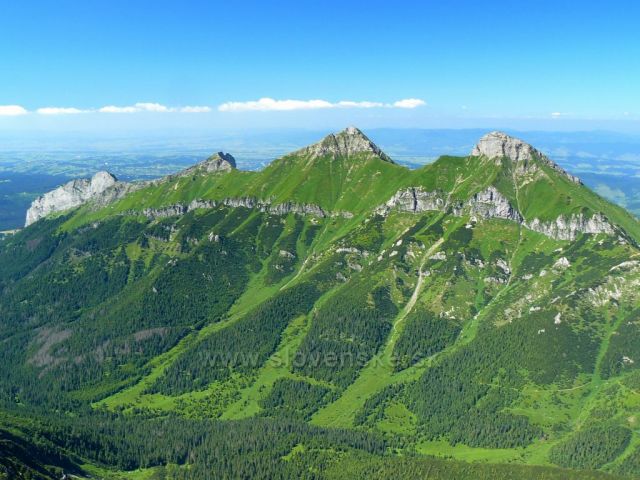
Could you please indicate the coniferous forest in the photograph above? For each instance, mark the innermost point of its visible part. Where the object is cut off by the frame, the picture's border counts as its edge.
(335, 315)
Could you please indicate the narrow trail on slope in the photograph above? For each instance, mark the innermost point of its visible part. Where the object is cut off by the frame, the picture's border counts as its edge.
(416, 291)
(378, 373)
(299, 272)
(597, 382)
(516, 187)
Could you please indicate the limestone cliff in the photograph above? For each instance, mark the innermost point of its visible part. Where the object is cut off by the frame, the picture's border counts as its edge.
(498, 145)
(70, 195)
(104, 188)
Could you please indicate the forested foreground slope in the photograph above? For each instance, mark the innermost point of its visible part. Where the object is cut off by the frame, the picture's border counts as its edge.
(335, 315)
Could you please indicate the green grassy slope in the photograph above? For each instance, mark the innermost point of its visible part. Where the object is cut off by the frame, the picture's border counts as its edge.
(448, 336)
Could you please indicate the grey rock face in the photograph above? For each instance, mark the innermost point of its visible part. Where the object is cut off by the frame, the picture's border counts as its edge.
(163, 212)
(349, 141)
(277, 209)
(303, 209)
(245, 202)
(116, 192)
(497, 145)
(219, 162)
(415, 200)
(568, 227)
(489, 203)
(71, 194)
(103, 188)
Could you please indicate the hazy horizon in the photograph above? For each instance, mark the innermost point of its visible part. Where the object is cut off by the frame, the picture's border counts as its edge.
(92, 68)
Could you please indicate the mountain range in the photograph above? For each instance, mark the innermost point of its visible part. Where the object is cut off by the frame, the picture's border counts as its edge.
(334, 315)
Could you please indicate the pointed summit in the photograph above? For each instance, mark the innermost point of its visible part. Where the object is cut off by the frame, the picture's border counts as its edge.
(497, 145)
(218, 162)
(350, 141)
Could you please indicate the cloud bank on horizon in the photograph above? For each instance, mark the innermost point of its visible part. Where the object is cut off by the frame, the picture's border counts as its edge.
(18, 110)
(263, 104)
(12, 110)
(136, 108)
(269, 104)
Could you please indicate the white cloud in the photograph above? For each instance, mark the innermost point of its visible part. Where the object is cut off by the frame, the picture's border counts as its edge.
(263, 104)
(12, 110)
(138, 107)
(59, 111)
(270, 104)
(557, 114)
(195, 109)
(409, 103)
(348, 104)
(15, 110)
(114, 109)
(153, 108)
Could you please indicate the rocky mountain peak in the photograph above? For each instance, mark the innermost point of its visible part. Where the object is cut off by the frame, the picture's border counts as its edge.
(497, 145)
(351, 130)
(102, 180)
(218, 162)
(347, 142)
(71, 194)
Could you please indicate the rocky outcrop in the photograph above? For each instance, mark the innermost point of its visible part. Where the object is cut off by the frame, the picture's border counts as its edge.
(498, 145)
(104, 188)
(414, 200)
(162, 212)
(568, 227)
(489, 203)
(73, 194)
(116, 192)
(302, 209)
(348, 142)
(275, 208)
(219, 162)
(245, 202)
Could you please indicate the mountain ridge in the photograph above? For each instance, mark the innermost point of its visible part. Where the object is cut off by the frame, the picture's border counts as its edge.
(466, 309)
(277, 185)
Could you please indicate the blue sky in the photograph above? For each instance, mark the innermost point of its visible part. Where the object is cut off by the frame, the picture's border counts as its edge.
(77, 65)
